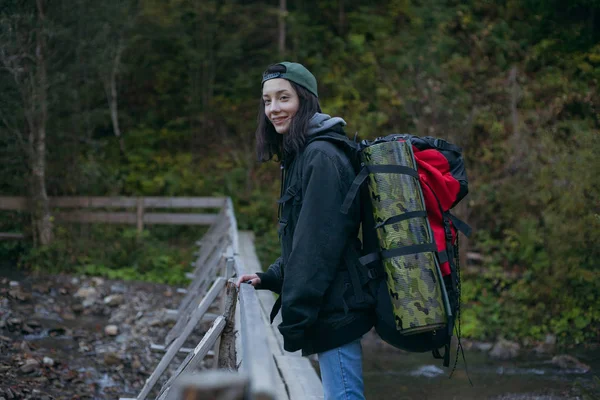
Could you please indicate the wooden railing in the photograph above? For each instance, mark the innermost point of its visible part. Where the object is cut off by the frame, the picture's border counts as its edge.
(248, 360)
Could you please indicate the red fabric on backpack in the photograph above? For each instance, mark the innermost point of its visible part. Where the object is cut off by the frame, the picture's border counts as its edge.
(437, 184)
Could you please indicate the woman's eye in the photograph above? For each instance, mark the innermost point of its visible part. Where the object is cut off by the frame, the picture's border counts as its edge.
(267, 102)
(283, 98)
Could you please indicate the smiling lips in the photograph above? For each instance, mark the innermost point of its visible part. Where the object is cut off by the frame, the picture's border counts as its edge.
(279, 121)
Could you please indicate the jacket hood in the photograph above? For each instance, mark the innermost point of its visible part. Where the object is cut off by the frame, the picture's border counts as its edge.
(322, 122)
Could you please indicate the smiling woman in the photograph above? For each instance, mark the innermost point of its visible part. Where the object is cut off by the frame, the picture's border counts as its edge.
(321, 311)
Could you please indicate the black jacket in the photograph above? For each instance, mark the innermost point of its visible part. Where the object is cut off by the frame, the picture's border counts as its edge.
(321, 308)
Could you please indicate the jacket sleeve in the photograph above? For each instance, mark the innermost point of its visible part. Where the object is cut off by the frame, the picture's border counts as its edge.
(272, 278)
(320, 236)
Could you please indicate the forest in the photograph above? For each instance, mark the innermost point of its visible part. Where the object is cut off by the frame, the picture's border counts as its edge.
(160, 98)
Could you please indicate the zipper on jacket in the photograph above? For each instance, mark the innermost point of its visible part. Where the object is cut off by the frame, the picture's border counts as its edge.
(279, 209)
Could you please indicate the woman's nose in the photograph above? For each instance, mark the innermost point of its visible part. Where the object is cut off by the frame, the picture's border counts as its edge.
(275, 106)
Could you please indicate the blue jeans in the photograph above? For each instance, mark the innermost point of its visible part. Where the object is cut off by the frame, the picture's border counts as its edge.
(341, 372)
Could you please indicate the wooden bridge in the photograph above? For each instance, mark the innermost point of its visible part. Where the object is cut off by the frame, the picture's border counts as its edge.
(241, 355)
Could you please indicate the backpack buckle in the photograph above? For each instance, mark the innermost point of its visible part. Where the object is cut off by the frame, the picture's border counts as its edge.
(372, 273)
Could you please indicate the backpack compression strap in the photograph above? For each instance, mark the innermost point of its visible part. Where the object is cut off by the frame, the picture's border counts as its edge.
(373, 169)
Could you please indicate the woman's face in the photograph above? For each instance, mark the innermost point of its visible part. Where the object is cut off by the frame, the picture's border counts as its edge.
(281, 103)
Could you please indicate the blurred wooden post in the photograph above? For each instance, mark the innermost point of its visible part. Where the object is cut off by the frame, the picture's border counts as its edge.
(140, 216)
(210, 385)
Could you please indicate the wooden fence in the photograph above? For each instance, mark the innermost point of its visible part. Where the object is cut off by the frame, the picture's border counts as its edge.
(136, 210)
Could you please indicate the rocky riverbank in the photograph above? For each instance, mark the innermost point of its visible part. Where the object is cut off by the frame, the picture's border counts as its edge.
(65, 337)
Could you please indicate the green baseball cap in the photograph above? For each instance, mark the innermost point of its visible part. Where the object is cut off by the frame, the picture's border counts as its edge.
(296, 73)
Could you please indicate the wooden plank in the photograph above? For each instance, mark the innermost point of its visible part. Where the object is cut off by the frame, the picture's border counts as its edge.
(266, 298)
(301, 379)
(179, 219)
(208, 250)
(139, 218)
(210, 385)
(182, 337)
(91, 202)
(257, 357)
(194, 295)
(104, 217)
(195, 288)
(11, 236)
(193, 359)
(131, 218)
(13, 203)
(20, 203)
(172, 315)
(184, 202)
(232, 225)
(159, 348)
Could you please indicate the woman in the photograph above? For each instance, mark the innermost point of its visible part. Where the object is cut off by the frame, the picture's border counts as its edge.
(322, 311)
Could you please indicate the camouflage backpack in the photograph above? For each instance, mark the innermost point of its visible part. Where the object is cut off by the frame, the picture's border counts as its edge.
(409, 243)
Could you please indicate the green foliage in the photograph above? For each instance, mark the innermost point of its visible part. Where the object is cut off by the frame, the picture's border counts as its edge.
(117, 253)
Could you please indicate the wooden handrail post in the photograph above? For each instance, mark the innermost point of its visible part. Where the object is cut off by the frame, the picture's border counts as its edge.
(227, 352)
(140, 216)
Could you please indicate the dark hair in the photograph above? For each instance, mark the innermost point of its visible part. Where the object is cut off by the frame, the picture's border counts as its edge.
(271, 144)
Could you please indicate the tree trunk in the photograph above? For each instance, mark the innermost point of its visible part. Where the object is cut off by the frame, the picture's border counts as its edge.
(341, 18)
(40, 205)
(282, 16)
(112, 95)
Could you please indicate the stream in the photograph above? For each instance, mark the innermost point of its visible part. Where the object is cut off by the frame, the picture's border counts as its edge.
(408, 376)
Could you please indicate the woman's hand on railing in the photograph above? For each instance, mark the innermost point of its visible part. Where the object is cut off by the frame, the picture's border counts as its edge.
(251, 279)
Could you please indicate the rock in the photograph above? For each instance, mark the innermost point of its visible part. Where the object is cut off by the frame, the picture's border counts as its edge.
(118, 288)
(86, 292)
(111, 330)
(77, 308)
(48, 362)
(33, 323)
(25, 329)
(97, 281)
(505, 350)
(24, 347)
(63, 291)
(5, 339)
(18, 294)
(87, 303)
(114, 300)
(14, 284)
(547, 347)
(111, 358)
(67, 315)
(83, 347)
(14, 322)
(29, 366)
(75, 281)
(565, 361)
(477, 346)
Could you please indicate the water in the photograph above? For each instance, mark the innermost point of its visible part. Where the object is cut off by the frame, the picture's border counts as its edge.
(407, 376)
